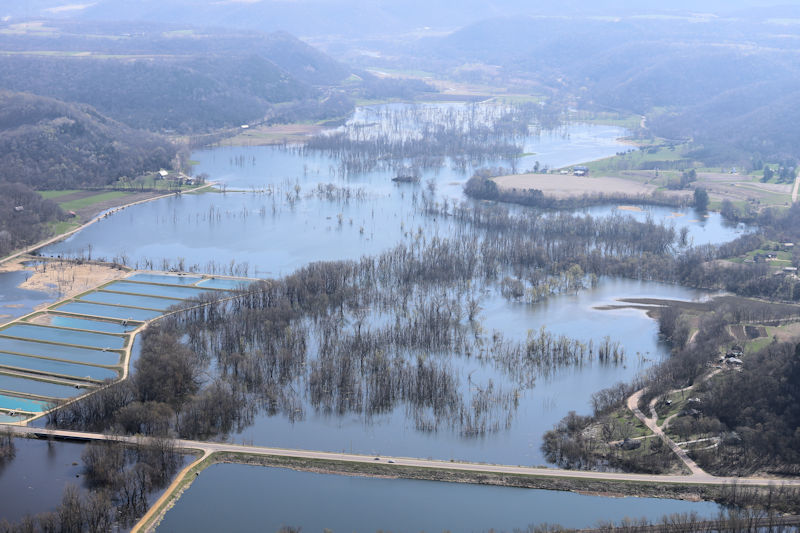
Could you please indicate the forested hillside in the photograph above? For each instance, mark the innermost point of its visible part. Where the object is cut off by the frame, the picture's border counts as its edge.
(46, 143)
(23, 216)
(185, 95)
(761, 407)
(174, 80)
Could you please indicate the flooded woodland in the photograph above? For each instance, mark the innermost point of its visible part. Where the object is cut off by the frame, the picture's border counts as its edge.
(396, 318)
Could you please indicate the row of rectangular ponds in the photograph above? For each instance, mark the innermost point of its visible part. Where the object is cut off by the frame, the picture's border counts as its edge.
(75, 345)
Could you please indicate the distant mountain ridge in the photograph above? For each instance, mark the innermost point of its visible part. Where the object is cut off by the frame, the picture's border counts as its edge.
(309, 18)
(166, 79)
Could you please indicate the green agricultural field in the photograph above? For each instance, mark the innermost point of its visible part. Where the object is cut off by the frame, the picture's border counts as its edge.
(80, 203)
(639, 157)
(54, 195)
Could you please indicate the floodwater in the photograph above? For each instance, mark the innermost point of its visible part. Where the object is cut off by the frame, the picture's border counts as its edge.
(16, 302)
(297, 208)
(34, 480)
(265, 499)
(539, 409)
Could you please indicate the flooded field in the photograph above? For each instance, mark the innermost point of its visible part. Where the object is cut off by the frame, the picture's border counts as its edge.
(34, 480)
(299, 206)
(281, 208)
(16, 302)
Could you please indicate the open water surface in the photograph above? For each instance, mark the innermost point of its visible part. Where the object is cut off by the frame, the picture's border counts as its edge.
(34, 481)
(298, 208)
(293, 209)
(231, 497)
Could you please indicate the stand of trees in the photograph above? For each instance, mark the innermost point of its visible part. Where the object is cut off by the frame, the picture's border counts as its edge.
(120, 479)
(482, 187)
(24, 216)
(758, 412)
(423, 136)
(368, 336)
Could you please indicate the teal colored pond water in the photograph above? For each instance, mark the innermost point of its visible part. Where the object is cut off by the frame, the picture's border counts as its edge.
(82, 338)
(154, 290)
(131, 300)
(164, 278)
(225, 284)
(108, 311)
(40, 388)
(56, 367)
(68, 353)
(231, 497)
(91, 325)
(15, 403)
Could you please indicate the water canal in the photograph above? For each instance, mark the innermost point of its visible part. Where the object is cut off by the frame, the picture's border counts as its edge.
(256, 498)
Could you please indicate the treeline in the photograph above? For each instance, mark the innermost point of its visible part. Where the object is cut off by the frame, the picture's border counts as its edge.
(120, 481)
(756, 427)
(482, 187)
(24, 216)
(162, 398)
(186, 94)
(366, 337)
(48, 144)
(422, 136)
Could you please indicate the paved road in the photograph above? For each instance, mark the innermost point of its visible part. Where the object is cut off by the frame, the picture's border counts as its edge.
(211, 447)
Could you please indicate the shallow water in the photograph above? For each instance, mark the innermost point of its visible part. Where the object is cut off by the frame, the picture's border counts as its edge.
(16, 302)
(145, 289)
(15, 403)
(68, 353)
(265, 499)
(148, 302)
(91, 325)
(164, 278)
(56, 367)
(34, 480)
(540, 408)
(291, 217)
(108, 311)
(38, 387)
(81, 338)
